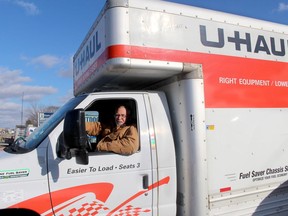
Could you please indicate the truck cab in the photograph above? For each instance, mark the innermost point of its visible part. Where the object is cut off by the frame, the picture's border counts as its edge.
(97, 180)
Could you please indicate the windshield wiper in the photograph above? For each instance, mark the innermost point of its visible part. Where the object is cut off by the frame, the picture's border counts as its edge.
(15, 146)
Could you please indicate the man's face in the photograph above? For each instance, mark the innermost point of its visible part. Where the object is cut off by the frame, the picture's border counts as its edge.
(120, 116)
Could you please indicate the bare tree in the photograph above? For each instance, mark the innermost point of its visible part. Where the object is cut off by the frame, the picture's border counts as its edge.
(32, 112)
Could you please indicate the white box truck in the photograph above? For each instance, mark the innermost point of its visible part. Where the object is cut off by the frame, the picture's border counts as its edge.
(208, 92)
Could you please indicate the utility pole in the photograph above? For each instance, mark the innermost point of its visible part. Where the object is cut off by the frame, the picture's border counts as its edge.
(22, 108)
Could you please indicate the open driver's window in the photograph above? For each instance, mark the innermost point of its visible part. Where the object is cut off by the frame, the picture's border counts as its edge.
(104, 111)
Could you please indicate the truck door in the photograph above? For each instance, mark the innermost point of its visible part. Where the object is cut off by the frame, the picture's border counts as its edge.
(111, 184)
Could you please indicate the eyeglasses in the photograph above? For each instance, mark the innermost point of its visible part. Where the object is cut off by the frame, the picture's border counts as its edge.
(120, 115)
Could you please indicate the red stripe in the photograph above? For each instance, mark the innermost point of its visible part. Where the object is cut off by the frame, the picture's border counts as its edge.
(218, 95)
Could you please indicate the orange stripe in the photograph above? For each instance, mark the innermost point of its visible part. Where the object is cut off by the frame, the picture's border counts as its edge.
(42, 203)
(39, 204)
(219, 95)
(151, 187)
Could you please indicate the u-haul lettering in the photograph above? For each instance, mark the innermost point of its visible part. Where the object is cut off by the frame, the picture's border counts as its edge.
(245, 41)
(88, 52)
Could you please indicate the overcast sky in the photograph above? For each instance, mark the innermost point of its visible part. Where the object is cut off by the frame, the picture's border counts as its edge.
(39, 38)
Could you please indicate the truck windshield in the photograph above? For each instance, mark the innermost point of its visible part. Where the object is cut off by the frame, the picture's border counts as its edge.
(23, 145)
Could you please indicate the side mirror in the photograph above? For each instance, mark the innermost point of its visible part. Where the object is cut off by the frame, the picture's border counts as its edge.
(75, 137)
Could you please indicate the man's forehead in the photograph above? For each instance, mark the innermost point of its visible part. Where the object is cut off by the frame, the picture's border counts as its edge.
(121, 109)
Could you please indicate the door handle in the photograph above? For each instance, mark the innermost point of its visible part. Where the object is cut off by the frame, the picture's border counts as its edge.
(145, 182)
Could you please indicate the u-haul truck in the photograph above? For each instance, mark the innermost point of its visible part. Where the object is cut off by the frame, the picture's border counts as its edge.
(208, 92)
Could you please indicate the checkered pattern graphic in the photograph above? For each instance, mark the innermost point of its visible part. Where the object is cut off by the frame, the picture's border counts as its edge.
(131, 211)
(95, 208)
(88, 209)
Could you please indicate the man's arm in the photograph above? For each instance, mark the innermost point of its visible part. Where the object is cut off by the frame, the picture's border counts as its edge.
(127, 144)
(93, 128)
